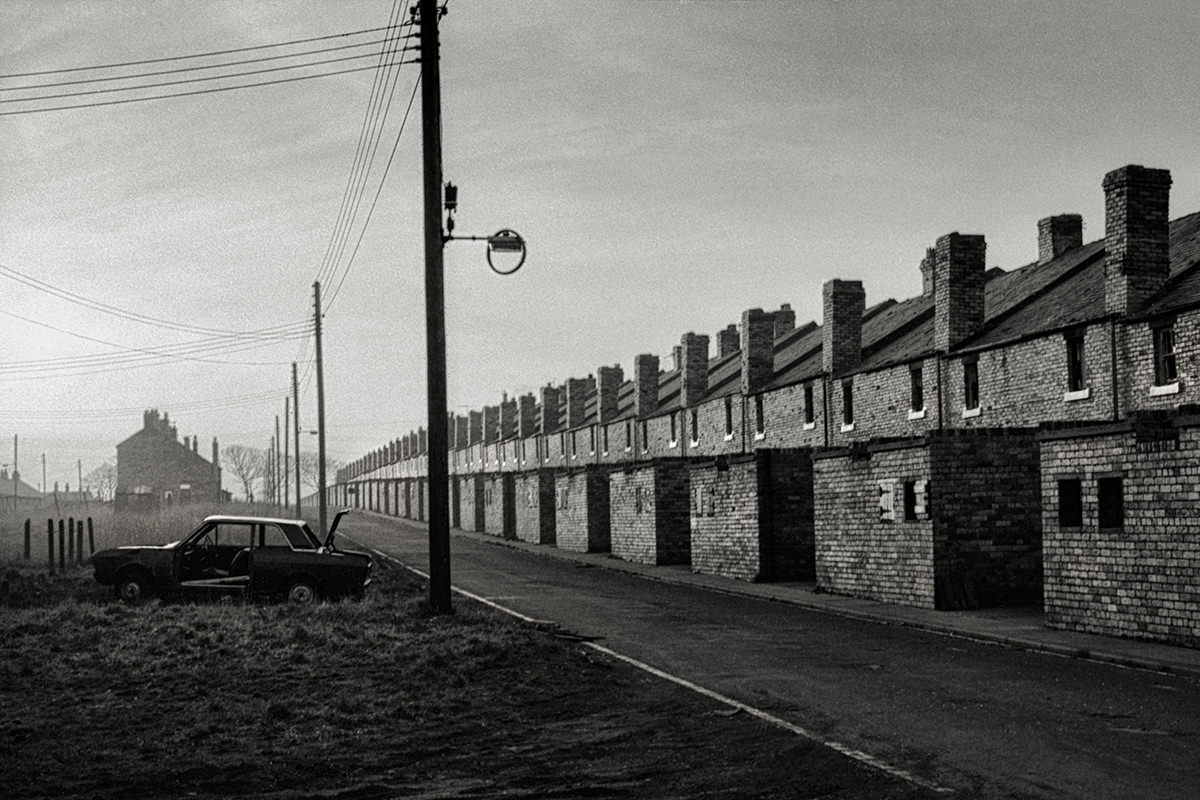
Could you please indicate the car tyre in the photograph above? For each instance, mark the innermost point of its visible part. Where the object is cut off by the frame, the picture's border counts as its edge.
(132, 587)
(302, 593)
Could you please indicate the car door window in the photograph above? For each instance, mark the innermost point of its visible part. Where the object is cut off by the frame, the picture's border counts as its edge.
(272, 536)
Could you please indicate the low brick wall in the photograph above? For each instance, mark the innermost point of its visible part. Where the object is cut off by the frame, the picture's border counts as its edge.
(649, 512)
(582, 511)
(534, 506)
(752, 516)
(1140, 579)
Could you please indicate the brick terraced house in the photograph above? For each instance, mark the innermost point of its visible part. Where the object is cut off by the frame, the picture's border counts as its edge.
(156, 469)
(1006, 437)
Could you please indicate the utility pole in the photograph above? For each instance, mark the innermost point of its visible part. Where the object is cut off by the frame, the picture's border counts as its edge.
(321, 416)
(296, 421)
(287, 461)
(278, 469)
(435, 312)
(43, 473)
(16, 474)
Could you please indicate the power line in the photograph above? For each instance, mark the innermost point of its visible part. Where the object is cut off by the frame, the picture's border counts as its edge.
(194, 55)
(139, 75)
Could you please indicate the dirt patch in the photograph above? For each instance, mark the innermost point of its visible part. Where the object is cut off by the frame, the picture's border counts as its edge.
(362, 700)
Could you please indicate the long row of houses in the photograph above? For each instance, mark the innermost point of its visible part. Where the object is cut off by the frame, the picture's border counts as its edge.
(1006, 437)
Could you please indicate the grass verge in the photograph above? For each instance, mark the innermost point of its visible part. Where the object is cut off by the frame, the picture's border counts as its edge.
(359, 700)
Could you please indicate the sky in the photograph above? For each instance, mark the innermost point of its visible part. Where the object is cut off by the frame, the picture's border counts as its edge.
(669, 164)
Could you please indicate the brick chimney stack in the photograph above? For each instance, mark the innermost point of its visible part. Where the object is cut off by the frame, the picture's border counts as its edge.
(508, 417)
(578, 390)
(758, 350)
(551, 408)
(475, 423)
(728, 341)
(462, 432)
(785, 320)
(1137, 259)
(608, 388)
(526, 416)
(958, 288)
(927, 265)
(693, 379)
(491, 424)
(677, 358)
(645, 385)
(422, 441)
(1057, 235)
(843, 304)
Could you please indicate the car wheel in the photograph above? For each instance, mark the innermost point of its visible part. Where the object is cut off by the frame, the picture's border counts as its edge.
(132, 588)
(302, 593)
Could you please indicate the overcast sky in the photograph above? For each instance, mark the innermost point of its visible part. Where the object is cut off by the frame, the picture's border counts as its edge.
(670, 165)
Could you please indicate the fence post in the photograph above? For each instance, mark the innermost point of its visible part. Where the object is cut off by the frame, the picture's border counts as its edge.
(70, 540)
(79, 543)
(50, 544)
(28, 541)
(62, 548)
(91, 539)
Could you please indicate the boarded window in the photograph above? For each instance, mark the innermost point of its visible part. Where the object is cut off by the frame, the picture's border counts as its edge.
(887, 501)
(1070, 502)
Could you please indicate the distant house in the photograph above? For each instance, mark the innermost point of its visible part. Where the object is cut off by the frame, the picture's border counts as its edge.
(26, 497)
(156, 469)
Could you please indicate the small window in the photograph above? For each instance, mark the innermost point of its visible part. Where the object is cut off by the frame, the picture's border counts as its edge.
(695, 425)
(592, 439)
(674, 427)
(574, 451)
(1164, 356)
(729, 416)
(1076, 379)
(760, 424)
(604, 436)
(910, 501)
(1111, 500)
(1070, 502)
(848, 402)
(628, 435)
(809, 411)
(916, 389)
(645, 436)
(562, 443)
(970, 385)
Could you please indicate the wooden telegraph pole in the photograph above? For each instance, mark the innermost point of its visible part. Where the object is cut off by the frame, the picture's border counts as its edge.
(435, 312)
(320, 415)
(296, 432)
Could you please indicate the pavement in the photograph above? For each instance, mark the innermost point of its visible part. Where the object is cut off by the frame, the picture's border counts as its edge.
(1021, 628)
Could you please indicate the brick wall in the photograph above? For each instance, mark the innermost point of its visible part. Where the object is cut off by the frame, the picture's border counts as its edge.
(534, 506)
(582, 511)
(752, 516)
(1138, 580)
(882, 404)
(470, 498)
(1137, 357)
(649, 513)
(498, 497)
(857, 553)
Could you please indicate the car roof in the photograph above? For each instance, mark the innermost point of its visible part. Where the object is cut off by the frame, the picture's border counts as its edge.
(272, 520)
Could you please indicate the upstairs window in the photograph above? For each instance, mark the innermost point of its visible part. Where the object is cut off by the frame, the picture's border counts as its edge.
(760, 423)
(628, 435)
(604, 437)
(970, 385)
(695, 426)
(1076, 379)
(809, 411)
(645, 436)
(592, 439)
(916, 384)
(729, 416)
(1164, 355)
(848, 402)
(674, 428)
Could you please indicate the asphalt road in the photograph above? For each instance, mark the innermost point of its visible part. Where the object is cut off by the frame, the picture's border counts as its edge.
(985, 720)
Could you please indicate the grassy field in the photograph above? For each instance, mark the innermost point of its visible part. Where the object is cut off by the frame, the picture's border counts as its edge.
(358, 700)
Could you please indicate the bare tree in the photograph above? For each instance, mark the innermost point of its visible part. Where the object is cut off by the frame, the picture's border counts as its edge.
(247, 464)
(310, 469)
(102, 481)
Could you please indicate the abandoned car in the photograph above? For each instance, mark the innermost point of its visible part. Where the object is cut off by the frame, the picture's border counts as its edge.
(243, 557)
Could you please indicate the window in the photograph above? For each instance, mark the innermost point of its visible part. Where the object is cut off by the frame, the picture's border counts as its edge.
(910, 501)
(1070, 502)
(760, 424)
(1164, 355)
(562, 443)
(1111, 499)
(674, 428)
(695, 425)
(848, 402)
(604, 437)
(1076, 380)
(592, 439)
(628, 435)
(574, 451)
(645, 436)
(729, 417)
(809, 418)
(916, 392)
(970, 385)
